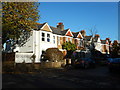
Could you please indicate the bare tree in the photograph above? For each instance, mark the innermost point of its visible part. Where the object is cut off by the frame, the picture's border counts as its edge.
(93, 31)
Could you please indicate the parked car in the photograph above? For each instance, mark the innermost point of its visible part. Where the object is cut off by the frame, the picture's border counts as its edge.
(108, 60)
(84, 63)
(114, 64)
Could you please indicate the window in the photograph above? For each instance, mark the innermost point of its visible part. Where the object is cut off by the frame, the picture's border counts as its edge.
(66, 39)
(48, 37)
(71, 40)
(53, 39)
(81, 43)
(58, 40)
(43, 36)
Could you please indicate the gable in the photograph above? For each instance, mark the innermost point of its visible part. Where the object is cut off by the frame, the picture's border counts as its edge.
(79, 36)
(99, 40)
(46, 28)
(107, 42)
(69, 33)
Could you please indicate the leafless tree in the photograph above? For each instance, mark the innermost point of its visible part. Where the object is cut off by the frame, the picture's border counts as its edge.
(93, 31)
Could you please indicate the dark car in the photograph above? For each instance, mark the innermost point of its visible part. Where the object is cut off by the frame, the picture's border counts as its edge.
(84, 63)
(114, 64)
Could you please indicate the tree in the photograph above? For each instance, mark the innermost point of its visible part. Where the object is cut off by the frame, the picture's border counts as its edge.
(70, 47)
(18, 19)
(115, 49)
(93, 31)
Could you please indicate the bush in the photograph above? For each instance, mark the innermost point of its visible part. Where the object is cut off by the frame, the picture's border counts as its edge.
(53, 54)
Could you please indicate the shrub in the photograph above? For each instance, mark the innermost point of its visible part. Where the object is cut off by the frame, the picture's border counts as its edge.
(53, 54)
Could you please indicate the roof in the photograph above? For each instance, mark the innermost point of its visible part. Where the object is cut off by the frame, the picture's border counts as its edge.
(39, 25)
(96, 39)
(75, 34)
(88, 38)
(56, 30)
(64, 32)
(103, 41)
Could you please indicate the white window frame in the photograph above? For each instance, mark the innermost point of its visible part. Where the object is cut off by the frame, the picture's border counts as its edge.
(66, 39)
(54, 39)
(43, 37)
(71, 40)
(58, 40)
(48, 37)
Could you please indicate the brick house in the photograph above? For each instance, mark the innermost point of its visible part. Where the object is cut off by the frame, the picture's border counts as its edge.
(46, 36)
(95, 42)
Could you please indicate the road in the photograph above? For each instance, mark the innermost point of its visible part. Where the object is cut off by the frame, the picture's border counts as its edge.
(98, 77)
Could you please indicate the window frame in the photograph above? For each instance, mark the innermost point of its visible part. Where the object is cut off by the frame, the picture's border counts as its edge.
(48, 37)
(54, 39)
(43, 36)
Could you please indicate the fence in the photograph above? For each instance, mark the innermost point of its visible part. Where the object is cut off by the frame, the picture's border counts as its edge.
(23, 57)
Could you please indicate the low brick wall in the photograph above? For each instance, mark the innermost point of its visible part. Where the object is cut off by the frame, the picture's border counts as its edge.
(36, 65)
(51, 64)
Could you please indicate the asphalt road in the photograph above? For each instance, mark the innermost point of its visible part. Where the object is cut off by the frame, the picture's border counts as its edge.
(99, 77)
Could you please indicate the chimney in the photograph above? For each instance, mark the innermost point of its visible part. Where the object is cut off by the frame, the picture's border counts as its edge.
(60, 26)
(107, 38)
(83, 33)
(97, 35)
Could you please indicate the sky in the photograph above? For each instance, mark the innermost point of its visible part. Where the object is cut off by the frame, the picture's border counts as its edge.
(98, 16)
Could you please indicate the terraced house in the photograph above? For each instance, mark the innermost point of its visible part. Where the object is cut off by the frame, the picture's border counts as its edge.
(45, 36)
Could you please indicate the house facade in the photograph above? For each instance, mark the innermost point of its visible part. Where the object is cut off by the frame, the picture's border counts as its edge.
(100, 45)
(46, 36)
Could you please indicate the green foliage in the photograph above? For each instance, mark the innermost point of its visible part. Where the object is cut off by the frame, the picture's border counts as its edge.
(115, 50)
(69, 46)
(18, 18)
(53, 54)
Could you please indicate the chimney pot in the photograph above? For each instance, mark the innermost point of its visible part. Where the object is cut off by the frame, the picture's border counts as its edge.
(60, 26)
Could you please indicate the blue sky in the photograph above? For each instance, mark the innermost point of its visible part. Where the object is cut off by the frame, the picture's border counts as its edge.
(83, 16)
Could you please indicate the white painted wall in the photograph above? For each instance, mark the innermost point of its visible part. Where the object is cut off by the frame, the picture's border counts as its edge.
(39, 45)
(27, 47)
(44, 44)
(98, 45)
(23, 57)
(36, 44)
